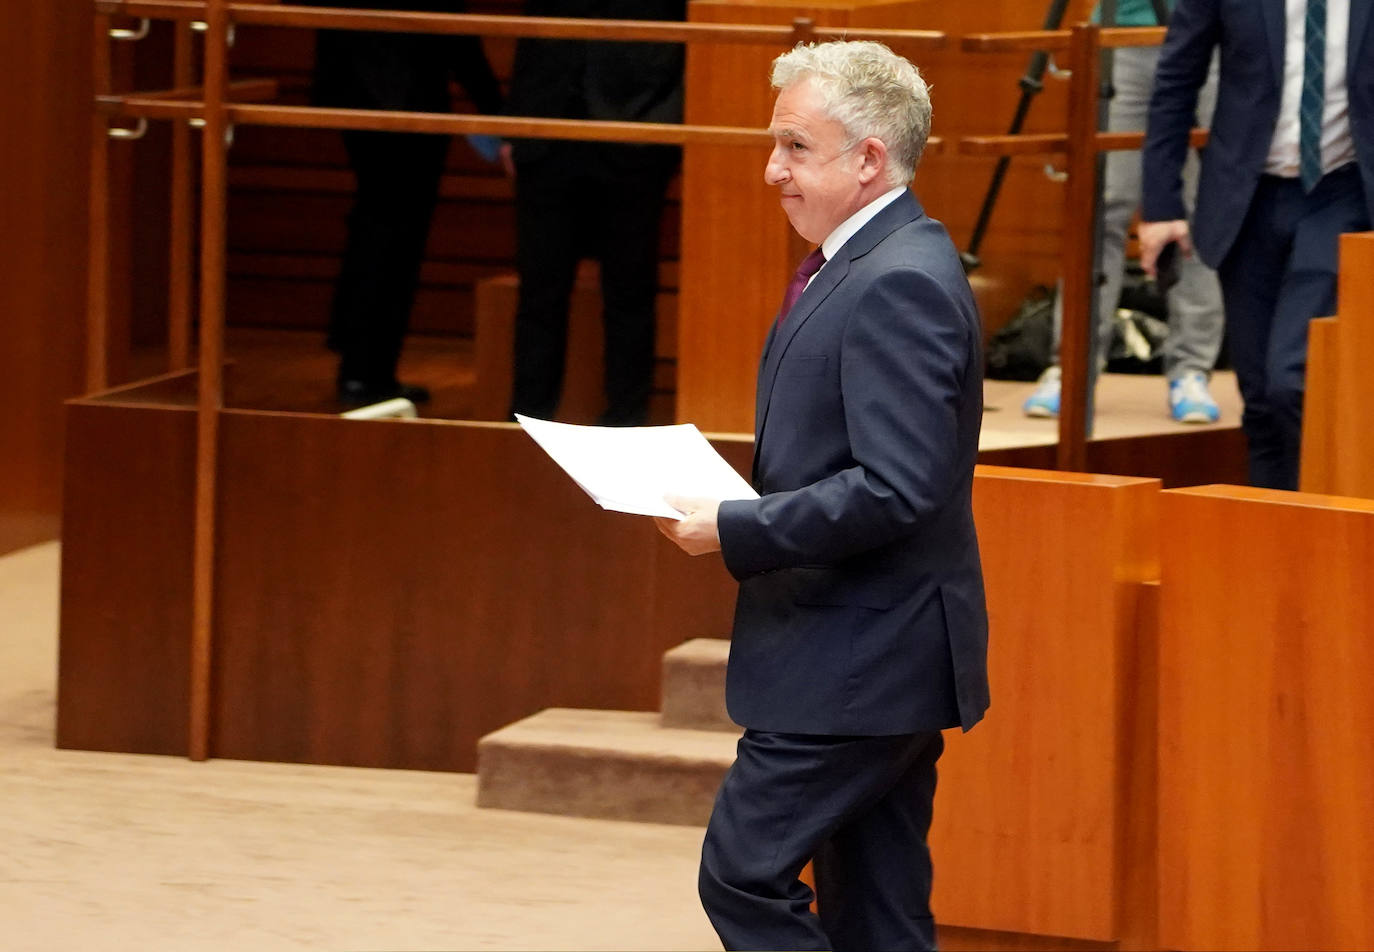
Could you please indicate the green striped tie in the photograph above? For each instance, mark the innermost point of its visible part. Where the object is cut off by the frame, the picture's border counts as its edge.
(1313, 96)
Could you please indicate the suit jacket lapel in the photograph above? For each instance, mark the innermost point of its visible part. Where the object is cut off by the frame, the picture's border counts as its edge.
(901, 211)
(1276, 23)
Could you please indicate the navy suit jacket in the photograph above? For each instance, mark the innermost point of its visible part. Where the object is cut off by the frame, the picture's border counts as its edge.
(861, 607)
(1250, 35)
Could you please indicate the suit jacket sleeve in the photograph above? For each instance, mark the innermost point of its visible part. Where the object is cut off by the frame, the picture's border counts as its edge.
(906, 350)
(1184, 60)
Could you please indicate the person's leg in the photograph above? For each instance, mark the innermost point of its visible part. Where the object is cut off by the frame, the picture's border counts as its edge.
(1251, 276)
(785, 795)
(1196, 316)
(1334, 207)
(628, 239)
(546, 256)
(865, 902)
(398, 184)
(1121, 183)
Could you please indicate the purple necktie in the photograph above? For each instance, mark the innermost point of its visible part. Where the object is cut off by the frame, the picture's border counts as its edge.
(809, 266)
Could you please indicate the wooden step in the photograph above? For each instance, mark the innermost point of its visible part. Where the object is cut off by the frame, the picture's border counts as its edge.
(694, 686)
(617, 765)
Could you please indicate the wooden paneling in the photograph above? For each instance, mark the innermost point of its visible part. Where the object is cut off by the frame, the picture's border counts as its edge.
(737, 249)
(584, 391)
(1186, 458)
(389, 592)
(126, 578)
(1035, 827)
(45, 47)
(1338, 455)
(1265, 771)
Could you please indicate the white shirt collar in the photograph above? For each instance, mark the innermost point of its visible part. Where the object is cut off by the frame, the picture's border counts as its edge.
(850, 226)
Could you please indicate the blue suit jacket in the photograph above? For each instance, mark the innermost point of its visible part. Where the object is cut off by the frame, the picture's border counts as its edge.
(861, 607)
(1250, 34)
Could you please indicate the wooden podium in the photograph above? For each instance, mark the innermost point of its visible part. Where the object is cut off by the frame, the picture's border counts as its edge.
(1265, 714)
(1337, 453)
(738, 250)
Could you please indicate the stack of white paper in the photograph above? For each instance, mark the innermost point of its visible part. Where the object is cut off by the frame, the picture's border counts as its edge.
(631, 468)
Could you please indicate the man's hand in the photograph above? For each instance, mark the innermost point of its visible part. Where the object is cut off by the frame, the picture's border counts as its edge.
(696, 534)
(507, 156)
(1154, 235)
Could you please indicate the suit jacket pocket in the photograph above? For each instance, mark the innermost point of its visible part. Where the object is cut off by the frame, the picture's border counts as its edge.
(802, 366)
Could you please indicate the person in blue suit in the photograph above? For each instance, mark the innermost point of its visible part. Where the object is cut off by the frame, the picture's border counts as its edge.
(861, 626)
(1288, 168)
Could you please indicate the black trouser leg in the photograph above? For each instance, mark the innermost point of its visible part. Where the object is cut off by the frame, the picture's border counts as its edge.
(388, 226)
(547, 226)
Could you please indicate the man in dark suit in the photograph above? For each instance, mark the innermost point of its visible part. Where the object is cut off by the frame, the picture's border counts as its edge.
(397, 176)
(602, 200)
(1288, 168)
(861, 628)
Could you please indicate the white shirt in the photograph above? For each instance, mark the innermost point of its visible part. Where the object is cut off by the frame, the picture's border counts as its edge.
(1338, 147)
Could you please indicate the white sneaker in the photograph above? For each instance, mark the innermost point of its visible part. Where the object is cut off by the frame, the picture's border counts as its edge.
(1190, 401)
(1044, 399)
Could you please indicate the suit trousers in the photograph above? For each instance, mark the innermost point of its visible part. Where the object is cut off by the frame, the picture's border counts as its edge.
(859, 806)
(1279, 274)
(388, 227)
(563, 215)
(1195, 308)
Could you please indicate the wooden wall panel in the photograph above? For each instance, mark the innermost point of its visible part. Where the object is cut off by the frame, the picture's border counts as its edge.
(389, 592)
(45, 47)
(1033, 828)
(1338, 456)
(126, 578)
(1265, 769)
(737, 248)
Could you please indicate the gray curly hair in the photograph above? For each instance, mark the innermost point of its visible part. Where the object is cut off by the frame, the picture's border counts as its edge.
(870, 91)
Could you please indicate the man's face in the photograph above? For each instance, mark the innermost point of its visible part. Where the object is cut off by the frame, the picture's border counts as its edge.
(822, 182)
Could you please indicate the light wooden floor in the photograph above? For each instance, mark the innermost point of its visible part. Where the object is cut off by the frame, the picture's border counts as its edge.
(1127, 405)
(122, 852)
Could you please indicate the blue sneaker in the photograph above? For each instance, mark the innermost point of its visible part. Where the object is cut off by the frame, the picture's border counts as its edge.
(1044, 399)
(1190, 401)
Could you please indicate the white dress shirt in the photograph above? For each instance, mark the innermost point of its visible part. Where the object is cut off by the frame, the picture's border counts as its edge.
(1338, 147)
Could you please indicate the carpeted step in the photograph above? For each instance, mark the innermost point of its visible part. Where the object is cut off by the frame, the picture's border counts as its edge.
(619, 765)
(694, 686)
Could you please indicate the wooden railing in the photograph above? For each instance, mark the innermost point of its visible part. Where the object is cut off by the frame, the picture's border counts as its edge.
(219, 104)
(213, 105)
(1081, 145)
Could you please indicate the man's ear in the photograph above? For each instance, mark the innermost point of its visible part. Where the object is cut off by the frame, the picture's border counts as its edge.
(873, 155)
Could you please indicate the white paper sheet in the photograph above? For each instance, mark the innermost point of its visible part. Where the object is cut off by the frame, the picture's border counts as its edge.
(631, 468)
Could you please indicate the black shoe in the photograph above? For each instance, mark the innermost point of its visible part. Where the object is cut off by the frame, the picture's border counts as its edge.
(360, 393)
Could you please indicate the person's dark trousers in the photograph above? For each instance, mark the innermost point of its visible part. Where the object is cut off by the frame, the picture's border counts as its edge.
(397, 189)
(1280, 274)
(859, 806)
(563, 215)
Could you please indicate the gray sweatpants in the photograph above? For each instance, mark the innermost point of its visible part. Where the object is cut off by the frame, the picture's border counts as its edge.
(1196, 319)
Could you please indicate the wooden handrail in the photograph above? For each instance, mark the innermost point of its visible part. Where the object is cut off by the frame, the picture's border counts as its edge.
(403, 21)
(160, 105)
(214, 200)
(1078, 255)
(1058, 41)
(243, 90)
(1053, 143)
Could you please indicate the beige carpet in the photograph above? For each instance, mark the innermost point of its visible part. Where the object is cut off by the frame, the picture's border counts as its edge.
(120, 852)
